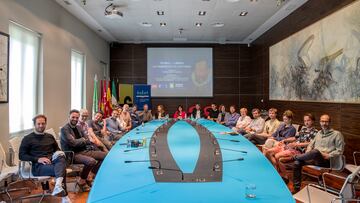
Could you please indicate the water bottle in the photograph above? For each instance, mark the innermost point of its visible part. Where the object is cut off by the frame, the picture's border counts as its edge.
(128, 143)
(144, 141)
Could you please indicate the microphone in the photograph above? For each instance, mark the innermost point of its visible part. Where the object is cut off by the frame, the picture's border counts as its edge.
(234, 150)
(168, 169)
(135, 161)
(216, 166)
(228, 140)
(129, 150)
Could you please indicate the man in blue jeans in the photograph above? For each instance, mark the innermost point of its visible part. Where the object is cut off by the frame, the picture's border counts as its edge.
(47, 160)
(326, 144)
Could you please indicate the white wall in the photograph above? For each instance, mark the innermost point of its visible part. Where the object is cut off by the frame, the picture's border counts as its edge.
(61, 32)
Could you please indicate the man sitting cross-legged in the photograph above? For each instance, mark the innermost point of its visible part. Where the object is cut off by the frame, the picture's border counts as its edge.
(47, 160)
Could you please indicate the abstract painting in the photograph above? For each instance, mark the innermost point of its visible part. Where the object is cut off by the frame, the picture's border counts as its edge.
(4, 67)
(321, 62)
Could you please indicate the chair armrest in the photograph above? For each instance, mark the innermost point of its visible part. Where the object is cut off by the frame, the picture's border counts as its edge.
(333, 176)
(70, 155)
(345, 199)
(22, 167)
(355, 155)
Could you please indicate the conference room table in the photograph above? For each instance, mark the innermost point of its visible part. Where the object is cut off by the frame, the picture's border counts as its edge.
(122, 179)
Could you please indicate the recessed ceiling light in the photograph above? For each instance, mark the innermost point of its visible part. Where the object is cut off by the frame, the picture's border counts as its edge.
(243, 13)
(160, 13)
(202, 13)
(162, 24)
(198, 24)
(218, 25)
(146, 24)
(232, 1)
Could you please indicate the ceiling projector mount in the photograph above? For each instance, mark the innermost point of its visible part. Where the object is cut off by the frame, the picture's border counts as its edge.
(113, 11)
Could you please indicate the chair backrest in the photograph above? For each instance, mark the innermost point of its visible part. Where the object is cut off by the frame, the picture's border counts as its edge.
(2, 158)
(296, 126)
(15, 143)
(348, 190)
(337, 162)
(206, 110)
(51, 131)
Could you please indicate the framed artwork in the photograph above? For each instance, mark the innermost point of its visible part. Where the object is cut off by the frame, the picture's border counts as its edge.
(320, 63)
(4, 67)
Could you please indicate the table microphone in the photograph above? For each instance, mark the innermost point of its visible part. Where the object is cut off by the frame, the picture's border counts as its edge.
(168, 169)
(134, 161)
(234, 150)
(228, 140)
(129, 150)
(217, 166)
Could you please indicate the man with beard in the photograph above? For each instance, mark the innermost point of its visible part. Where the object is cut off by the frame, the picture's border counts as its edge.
(73, 139)
(47, 160)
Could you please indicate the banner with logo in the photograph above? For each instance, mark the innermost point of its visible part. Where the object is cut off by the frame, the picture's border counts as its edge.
(126, 94)
(142, 96)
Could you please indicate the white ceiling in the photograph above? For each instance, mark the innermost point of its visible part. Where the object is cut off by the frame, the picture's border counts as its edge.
(262, 15)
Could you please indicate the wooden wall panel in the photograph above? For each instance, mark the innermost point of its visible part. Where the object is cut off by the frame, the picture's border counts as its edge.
(232, 63)
(344, 116)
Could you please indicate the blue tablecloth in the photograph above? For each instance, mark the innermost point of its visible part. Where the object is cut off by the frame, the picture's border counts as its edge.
(117, 181)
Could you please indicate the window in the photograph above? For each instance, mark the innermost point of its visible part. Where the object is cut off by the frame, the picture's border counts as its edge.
(77, 80)
(23, 77)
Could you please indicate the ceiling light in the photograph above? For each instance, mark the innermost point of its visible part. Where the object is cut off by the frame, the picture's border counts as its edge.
(198, 24)
(160, 13)
(112, 11)
(146, 24)
(218, 25)
(243, 13)
(162, 24)
(202, 13)
(232, 1)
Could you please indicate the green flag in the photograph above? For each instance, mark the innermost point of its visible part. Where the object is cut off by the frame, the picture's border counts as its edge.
(95, 106)
(113, 94)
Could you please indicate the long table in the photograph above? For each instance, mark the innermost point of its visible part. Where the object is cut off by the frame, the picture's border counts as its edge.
(122, 179)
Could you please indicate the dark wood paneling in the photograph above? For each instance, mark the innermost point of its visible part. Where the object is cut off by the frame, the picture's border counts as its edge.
(226, 68)
(128, 63)
(344, 116)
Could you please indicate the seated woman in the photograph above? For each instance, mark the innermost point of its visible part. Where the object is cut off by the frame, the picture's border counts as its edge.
(180, 114)
(285, 132)
(296, 145)
(160, 114)
(197, 112)
(125, 118)
(222, 114)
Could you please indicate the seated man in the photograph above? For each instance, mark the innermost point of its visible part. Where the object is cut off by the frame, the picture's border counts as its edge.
(295, 145)
(47, 160)
(284, 131)
(243, 121)
(197, 112)
(256, 125)
(84, 114)
(73, 139)
(269, 128)
(135, 118)
(97, 126)
(326, 144)
(113, 126)
(145, 115)
(232, 118)
(213, 113)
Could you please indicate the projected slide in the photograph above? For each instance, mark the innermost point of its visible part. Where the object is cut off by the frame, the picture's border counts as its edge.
(180, 72)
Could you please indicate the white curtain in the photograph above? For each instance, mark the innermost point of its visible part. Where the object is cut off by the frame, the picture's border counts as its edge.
(77, 80)
(23, 72)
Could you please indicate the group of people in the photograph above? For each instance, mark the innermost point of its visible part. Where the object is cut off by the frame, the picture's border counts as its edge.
(91, 140)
